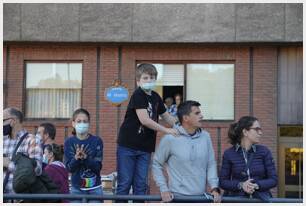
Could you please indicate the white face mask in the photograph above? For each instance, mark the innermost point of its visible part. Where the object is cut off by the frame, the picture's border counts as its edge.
(82, 128)
(45, 159)
(148, 86)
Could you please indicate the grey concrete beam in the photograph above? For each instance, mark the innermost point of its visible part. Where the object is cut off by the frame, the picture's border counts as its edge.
(184, 23)
(260, 22)
(106, 22)
(11, 22)
(294, 22)
(50, 22)
(173, 23)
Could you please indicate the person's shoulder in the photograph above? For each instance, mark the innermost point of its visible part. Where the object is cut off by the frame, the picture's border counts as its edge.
(156, 94)
(168, 138)
(229, 150)
(70, 139)
(95, 138)
(33, 139)
(48, 167)
(205, 133)
(173, 106)
(138, 91)
(262, 148)
(31, 136)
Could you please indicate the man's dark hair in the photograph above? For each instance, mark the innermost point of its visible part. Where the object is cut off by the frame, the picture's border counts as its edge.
(185, 109)
(49, 129)
(16, 113)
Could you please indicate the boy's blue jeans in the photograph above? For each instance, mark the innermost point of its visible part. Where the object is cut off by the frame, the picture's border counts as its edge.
(132, 169)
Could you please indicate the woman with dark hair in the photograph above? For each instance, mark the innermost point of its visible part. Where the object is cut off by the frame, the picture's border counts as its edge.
(247, 168)
(83, 156)
(178, 100)
(56, 170)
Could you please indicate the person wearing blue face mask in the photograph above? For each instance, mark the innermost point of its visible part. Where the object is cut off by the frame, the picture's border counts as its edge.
(46, 132)
(83, 154)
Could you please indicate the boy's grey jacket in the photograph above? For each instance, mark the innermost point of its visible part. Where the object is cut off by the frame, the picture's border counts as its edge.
(190, 162)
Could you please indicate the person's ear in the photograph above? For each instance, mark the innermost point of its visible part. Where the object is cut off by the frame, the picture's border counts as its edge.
(185, 118)
(73, 124)
(245, 132)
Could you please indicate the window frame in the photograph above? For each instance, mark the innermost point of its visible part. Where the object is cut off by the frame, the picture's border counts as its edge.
(24, 96)
(185, 63)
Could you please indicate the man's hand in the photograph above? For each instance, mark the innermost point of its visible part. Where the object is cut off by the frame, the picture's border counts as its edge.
(166, 196)
(217, 196)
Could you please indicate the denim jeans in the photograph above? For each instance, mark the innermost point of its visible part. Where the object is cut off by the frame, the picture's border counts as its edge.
(132, 169)
(97, 191)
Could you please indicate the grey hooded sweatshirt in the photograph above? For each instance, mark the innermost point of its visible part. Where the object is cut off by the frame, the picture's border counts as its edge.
(190, 162)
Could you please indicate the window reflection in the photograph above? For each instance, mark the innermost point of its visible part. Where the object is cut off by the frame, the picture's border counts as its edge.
(53, 90)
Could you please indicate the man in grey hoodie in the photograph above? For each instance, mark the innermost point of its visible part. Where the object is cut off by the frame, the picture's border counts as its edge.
(190, 158)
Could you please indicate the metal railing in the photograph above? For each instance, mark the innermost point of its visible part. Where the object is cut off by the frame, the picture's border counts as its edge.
(149, 198)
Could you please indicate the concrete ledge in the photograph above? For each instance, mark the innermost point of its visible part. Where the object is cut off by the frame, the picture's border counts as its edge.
(165, 23)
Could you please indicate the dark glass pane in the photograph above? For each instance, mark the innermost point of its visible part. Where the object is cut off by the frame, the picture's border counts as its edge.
(292, 194)
(291, 131)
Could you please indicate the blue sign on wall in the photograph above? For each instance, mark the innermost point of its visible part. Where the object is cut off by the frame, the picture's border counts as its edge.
(116, 95)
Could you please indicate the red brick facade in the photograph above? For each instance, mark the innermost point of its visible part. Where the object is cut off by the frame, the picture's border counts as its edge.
(264, 84)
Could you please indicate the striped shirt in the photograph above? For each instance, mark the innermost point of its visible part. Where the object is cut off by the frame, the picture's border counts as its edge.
(30, 146)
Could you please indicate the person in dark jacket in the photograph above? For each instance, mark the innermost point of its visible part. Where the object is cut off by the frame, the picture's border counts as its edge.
(248, 168)
(56, 170)
(25, 181)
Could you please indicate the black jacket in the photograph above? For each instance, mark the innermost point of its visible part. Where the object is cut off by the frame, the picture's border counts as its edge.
(25, 179)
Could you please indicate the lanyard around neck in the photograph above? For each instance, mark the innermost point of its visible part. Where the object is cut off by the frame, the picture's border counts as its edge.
(247, 163)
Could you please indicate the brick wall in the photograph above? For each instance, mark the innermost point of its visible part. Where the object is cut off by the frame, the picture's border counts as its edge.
(264, 96)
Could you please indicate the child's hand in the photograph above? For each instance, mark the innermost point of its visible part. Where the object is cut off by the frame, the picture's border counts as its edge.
(172, 131)
(78, 154)
(83, 153)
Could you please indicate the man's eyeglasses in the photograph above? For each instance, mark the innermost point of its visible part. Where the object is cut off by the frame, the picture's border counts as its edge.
(258, 129)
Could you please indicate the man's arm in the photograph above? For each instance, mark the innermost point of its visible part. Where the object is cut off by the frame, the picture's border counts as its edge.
(212, 176)
(161, 155)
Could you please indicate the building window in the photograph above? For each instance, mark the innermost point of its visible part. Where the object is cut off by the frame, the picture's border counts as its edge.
(213, 86)
(53, 90)
(170, 80)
